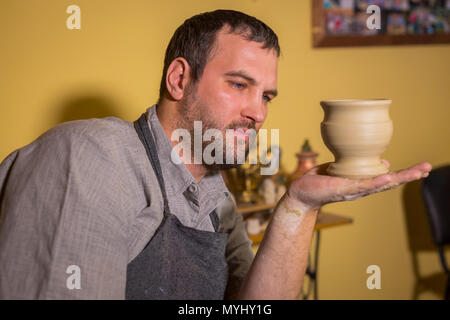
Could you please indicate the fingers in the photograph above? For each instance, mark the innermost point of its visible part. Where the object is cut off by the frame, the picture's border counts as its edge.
(320, 169)
(399, 177)
(423, 167)
(363, 187)
(387, 181)
(415, 172)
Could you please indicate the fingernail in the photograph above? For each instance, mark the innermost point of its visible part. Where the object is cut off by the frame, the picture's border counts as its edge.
(425, 175)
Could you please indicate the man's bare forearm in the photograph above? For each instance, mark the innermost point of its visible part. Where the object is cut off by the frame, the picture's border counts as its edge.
(279, 266)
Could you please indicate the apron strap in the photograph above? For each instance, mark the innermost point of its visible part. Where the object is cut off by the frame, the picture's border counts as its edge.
(145, 135)
(214, 220)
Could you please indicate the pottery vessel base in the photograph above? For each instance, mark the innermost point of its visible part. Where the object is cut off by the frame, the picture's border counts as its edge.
(354, 170)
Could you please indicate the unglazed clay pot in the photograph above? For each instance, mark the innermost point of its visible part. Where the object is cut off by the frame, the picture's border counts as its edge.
(357, 132)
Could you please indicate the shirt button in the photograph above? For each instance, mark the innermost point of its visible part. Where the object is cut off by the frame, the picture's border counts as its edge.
(193, 188)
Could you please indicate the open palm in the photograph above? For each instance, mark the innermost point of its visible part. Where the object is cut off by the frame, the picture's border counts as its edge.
(315, 188)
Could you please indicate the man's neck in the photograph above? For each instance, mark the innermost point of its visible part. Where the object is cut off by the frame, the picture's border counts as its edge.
(167, 114)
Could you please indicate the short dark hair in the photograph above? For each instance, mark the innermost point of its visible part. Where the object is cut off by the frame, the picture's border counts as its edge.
(194, 39)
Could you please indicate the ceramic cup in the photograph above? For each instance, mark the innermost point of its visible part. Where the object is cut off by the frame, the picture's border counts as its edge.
(357, 132)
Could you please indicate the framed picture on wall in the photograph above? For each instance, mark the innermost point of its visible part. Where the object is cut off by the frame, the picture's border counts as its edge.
(339, 23)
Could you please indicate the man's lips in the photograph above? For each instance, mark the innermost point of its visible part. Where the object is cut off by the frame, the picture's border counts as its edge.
(241, 133)
(241, 130)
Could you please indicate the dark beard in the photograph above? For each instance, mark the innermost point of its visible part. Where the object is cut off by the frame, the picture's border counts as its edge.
(215, 167)
(194, 110)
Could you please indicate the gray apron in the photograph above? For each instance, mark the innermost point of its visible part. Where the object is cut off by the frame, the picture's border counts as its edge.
(178, 262)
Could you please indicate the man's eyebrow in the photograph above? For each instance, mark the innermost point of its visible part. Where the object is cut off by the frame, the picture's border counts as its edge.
(242, 75)
(274, 92)
(252, 81)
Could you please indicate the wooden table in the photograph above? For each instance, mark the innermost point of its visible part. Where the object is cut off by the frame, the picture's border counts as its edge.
(255, 208)
(324, 220)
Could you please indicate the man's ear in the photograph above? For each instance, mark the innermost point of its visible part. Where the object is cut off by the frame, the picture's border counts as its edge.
(177, 78)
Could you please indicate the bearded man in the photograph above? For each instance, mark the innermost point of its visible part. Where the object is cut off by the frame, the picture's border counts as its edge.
(98, 209)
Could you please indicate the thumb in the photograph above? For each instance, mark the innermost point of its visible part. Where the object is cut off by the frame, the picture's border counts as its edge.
(320, 169)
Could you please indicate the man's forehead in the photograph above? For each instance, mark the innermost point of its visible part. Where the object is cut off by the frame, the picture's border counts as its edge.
(233, 54)
(233, 46)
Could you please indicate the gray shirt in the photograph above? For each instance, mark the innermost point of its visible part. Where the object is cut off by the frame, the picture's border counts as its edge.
(84, 194)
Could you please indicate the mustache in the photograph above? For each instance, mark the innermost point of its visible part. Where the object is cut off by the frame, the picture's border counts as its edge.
(242, 124)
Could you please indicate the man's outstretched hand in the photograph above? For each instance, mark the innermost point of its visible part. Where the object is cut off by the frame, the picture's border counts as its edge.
(315, 188)
(280, 264)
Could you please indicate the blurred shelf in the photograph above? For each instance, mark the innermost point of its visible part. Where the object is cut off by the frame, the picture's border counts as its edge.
(242, 209)
(324, 220)
(327, 220)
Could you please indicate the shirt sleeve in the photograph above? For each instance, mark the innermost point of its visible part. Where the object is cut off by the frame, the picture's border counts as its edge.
(62, 224)
(239, 253)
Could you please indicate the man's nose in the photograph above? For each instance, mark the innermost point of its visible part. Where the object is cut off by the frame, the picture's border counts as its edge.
(255, 110)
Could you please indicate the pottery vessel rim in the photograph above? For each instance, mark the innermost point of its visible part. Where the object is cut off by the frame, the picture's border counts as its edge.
(356, 101)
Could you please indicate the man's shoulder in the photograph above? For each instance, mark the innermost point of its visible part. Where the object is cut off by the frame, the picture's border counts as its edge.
(100, 129)
(103, 136)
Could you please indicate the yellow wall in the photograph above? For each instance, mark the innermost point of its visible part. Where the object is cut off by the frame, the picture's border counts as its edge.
(112, 66)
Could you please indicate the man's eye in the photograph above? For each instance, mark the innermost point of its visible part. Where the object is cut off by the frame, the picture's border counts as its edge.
(267, 98)
(238, 85)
